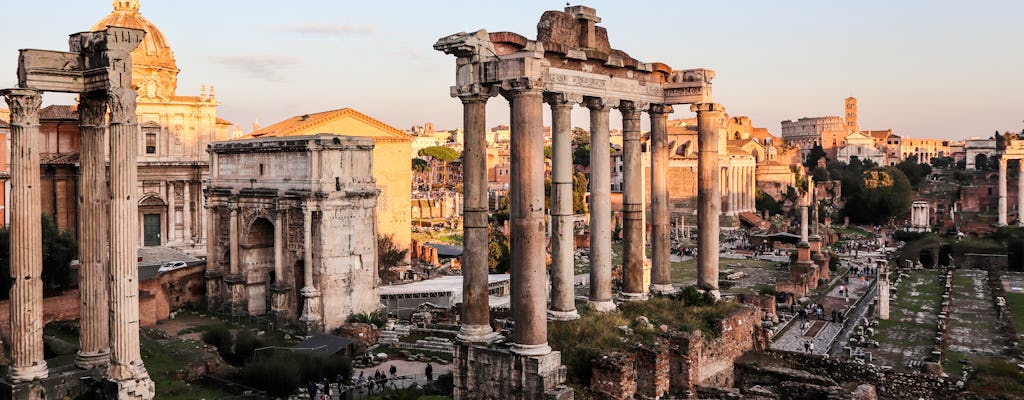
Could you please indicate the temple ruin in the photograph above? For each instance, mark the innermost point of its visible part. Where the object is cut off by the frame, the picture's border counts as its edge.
(570, 62)
(98, 67)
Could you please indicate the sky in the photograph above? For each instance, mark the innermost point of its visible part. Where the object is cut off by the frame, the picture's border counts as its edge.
(924, 68)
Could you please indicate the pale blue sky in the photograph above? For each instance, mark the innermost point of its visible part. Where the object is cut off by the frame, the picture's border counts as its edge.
(948, 69)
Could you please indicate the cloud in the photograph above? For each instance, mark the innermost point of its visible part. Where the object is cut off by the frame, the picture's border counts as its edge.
(313, 28)
(268, 67)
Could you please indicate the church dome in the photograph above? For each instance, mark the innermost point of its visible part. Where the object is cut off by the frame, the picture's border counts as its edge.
(154, 72)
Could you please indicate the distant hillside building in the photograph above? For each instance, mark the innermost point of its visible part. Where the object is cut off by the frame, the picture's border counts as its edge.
(391, 167)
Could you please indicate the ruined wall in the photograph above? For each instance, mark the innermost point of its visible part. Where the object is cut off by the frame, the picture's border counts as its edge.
(489, 373)
(614, 376)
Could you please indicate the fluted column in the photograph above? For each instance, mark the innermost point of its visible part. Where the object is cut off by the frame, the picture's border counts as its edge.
(563, 296)
(279, 288)
(632, 204)
(709, 121)
(661, 268)
(526, 219)
(94, 335)
(476, 313)
(1002, 192)
(234, 280)
(600, 207)
(26, 253)
(311, 320)
(171, 220)
(125, 357)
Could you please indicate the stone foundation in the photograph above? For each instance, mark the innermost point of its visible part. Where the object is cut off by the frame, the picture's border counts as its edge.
(483, 373)
(62, 383)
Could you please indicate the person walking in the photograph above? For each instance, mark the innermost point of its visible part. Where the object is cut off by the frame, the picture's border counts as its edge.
(807, 347)
(393, 370)
(429, 371)
(811, 347)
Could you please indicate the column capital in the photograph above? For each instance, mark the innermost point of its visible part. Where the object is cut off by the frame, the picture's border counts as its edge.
(92, 109)
(1003, 162)
(631, 110)
(707, 107)
(474, 92)
(24, 105)
(659, 109)
(600, 103)
(521, 86)
(561, 100)
(122, 105)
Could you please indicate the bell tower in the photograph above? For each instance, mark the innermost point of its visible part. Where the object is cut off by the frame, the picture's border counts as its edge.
(851, 115)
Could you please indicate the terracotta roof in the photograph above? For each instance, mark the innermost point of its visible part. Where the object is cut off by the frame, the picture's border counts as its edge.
(222, 121)
(59, 112)
(302, 124)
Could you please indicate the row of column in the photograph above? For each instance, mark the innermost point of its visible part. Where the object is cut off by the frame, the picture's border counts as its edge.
(740, 187)
(527, 227)
(1002, 192)
(109, 281)
(186, 210)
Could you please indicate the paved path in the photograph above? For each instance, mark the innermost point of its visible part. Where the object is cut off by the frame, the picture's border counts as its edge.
(970, 325)
(821, 332)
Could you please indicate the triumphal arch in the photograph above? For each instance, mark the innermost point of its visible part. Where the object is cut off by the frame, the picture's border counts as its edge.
(1014, 151)
(98, 68)
(569, 63)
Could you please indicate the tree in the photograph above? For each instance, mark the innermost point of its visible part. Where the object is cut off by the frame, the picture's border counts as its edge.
(885, 193)
(59, 249)
(914, 171)
(389, 255)
(441, 154)
(548, 151)
(814, 155)
(942, 162)
(498, 256)
(981, 162)
(579, 193)
(420, 165)
(764, 202)
(820, 174)
(580, 137)
(581, 155)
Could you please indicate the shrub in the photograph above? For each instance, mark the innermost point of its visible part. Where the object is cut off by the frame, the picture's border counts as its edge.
(220, 338)
(281, 372)
(376, 318)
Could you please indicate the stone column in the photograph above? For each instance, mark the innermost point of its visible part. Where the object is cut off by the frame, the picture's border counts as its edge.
(476, 313)
(709, 207)
(310, 320)
(632, 205)
(661, 268)
(235, 279)
(279, 289)
(125, 358)
(94, 335)
(1020, 193)
(1002, 192)
(813, 205)
(600, 207)
(213, 274)
(563, 296)
(730, 188)
(186, 214)
(26, 263)
(526, 219)
(803, 221)
(172, 214)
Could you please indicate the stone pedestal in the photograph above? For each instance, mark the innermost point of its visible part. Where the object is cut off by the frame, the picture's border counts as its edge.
(279, 295)
(213, 289)
(235, 304)
(310, 323)
(483, 373)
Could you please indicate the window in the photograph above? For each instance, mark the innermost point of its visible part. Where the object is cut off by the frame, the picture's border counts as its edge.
(150, 141)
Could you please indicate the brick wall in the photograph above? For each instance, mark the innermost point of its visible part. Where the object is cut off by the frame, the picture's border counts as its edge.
(614, 376)
(57, 308)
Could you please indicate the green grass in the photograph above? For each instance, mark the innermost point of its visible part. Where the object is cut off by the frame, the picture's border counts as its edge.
(997, 377)
(952, 366)
(163, 357)
(1015, 301)
(904, 309)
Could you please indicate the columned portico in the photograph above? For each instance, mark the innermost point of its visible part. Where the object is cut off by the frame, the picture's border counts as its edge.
(709, 122)
(476, 326)
(600, 206)
(632, 205)
(563, 297)
(661, 268)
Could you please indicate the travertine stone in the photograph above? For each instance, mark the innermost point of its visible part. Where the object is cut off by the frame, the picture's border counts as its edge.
(125, 359)
(310, 320)
(563, 298)
(526, 219)
(632, 204)
(709, 122)
(94, 338)
(26, 296)
(1002, 191)
(476, 323)
(600, 206)
(661, 271)
(234, 280)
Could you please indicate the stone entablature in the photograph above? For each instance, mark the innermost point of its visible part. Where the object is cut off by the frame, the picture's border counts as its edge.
(294, 230)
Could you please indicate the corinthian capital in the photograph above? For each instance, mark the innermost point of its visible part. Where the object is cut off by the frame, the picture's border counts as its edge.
(92, 109)
(660, 109)
(122, 105)
(24, 105)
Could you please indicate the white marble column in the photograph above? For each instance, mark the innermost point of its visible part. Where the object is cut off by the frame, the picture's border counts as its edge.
(563, 296)
(93, 207)
(125, 356)
(600, 207)
(1002, 192)
(26, 254)
(186, 214)
(172, 221)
